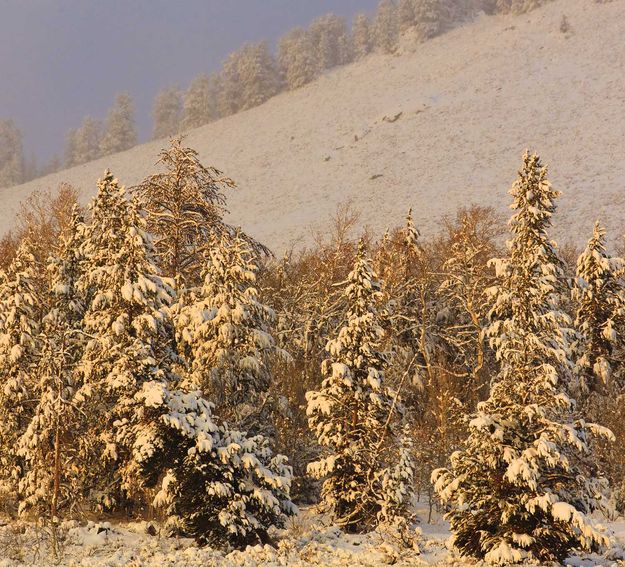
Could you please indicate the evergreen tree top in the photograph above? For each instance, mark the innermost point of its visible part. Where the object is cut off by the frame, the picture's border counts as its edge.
(363, 287)
(412, 234)
(529, 331)
(533, 269)
(594, 260)
(600, 313)
(534, 203)
(357, 342)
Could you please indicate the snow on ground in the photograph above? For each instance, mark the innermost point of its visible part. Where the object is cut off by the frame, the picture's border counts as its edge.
(308, 540)
(467, 104)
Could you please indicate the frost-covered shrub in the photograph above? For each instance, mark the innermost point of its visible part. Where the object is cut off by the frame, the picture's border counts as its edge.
(217, 485)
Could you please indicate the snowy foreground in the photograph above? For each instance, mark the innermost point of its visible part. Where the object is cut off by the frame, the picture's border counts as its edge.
(308, 540)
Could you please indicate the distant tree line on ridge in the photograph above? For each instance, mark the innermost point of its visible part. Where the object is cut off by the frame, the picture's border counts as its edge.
(249, 77)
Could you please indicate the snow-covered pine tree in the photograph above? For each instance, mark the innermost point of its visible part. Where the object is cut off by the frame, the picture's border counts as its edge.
(523, 485)
(70, 155)
(167, 113)
(129, 331)
(258, 73)
(229, 97)
(330, 40)
(20, 319)
(406, 14)
(599, 299)
(87, 141)
(217, 485)
(430, 18)
(184, 207)
(199, 105)
(249, 77)
(120, 132)
(51, 445)
(11, 154)
(396, 509)
(296, 58)
(386, 27)
(224, 333)
(352, 414)
(361, 36)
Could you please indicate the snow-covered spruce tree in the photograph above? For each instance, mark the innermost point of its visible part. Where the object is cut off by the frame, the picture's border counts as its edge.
(259, 74)
(199, 105)
(599, 299)
(11, 154)
(386, 27)
(330, 40)
(219, 486)
(406, 14)
(397, 488)
(184, 207)
(410, 288)
(249, 77)
(296, 58)
(599, 302)
(361, 36)
(70, 156)
(128, 329)
(523, 485)
(20, 320)
(224, 333)
(430, 18)
(353, 414)
(120, 132)
(51, 445)
(167, 113)
(87, 141)
(305, 292)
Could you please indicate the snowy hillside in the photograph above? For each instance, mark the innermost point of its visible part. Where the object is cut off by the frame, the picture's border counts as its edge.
(435, 129)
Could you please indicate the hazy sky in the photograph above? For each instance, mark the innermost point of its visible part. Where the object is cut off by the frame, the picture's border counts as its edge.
(61, 60)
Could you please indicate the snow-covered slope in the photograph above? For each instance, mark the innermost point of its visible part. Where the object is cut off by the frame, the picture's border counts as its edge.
(466, 106)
